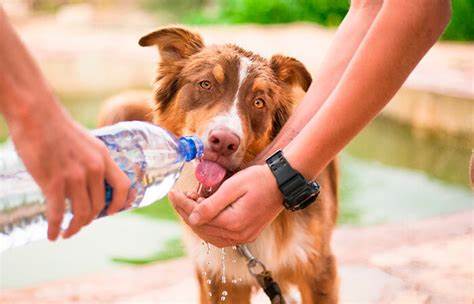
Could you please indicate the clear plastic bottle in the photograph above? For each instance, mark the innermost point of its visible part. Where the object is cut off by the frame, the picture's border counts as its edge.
(150, 156)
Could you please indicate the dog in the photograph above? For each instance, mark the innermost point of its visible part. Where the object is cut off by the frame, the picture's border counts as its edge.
(237, 101)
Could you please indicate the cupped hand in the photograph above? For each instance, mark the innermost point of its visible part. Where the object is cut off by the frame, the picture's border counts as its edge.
(68, 163)
(237, 212)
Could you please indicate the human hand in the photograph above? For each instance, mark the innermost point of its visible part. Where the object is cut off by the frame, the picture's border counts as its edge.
(239, 210)
(67, 162)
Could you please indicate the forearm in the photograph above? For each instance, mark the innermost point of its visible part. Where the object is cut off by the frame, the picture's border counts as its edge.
(22, 85)
(345, 43)
(399, 37)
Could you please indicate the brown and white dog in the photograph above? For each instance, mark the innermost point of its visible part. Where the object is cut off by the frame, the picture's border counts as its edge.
(237, 102)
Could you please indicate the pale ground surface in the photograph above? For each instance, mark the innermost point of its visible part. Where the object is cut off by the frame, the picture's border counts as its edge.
(430, 261)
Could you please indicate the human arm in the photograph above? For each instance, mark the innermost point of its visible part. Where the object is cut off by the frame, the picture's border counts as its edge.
(398, 39)
(347, 39)
(62, 157)
(402, 32)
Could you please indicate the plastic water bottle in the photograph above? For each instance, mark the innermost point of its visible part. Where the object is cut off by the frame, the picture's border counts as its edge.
(150, 156)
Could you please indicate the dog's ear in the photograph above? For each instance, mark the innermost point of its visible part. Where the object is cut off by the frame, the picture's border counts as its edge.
(174, 43)
(291, 71)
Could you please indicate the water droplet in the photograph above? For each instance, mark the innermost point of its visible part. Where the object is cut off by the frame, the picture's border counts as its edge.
(222, 298)
(234, 281)
(224, 293)
(204, 273)
(223, 278)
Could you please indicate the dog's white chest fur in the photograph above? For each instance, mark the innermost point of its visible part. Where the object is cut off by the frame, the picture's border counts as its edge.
(265, 248)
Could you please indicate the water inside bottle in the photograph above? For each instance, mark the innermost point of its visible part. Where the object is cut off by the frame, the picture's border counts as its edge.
(152, 170)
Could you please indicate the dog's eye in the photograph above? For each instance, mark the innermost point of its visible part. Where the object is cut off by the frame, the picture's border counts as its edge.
(205, 84)
(259, 103)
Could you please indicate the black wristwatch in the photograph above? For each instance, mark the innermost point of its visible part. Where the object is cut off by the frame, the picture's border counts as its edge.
(298, 193)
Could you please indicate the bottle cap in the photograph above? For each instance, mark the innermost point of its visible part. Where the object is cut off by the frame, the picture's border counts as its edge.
(191, 147)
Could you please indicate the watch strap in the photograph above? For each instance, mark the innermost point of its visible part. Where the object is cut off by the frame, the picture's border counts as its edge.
(298, 193)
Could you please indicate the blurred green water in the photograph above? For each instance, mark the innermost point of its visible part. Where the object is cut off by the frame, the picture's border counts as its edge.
(442, 156)
(97, 248)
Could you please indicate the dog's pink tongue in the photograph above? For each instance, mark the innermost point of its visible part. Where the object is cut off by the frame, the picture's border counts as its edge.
(209, 173)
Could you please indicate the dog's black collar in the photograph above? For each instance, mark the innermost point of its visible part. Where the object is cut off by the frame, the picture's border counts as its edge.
(298, 193)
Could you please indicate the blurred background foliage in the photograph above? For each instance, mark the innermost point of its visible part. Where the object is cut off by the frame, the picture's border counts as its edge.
(324, 12)
(461, 26)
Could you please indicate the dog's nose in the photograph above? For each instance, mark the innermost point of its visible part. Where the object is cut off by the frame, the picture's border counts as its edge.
(223, 142)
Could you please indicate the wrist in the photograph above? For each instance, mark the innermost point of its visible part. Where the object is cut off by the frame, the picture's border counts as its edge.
(297, 162)
(26, 109)
(273, 185)
(41, 122)
(14, 104)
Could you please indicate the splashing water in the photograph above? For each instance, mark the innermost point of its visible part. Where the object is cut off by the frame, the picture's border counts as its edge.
(205, 274)
(223, 278)
(208, 265)
(234, 263)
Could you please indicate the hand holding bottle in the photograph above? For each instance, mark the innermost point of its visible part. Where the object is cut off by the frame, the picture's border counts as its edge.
(64, 160)
(67, 162)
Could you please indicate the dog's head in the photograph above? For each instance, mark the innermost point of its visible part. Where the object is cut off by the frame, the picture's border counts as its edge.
(236, 101)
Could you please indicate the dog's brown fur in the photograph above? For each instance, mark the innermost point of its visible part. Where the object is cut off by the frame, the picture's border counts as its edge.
(182, 108)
